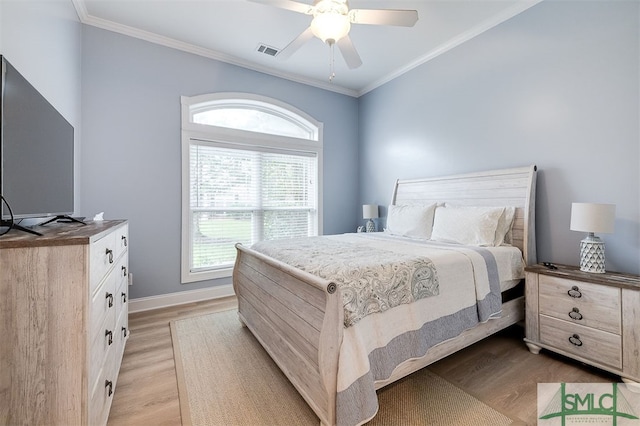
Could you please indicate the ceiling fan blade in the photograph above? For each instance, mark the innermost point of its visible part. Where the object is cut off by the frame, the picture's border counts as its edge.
(349, 52)
(291, 48)
(295, 6)
(400, 18)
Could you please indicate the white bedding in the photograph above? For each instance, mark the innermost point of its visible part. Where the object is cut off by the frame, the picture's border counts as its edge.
(508, 258)
(470, 280)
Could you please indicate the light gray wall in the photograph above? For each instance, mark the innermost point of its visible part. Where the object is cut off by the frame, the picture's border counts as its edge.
(131, 162)
(556, 86)
(42, 40)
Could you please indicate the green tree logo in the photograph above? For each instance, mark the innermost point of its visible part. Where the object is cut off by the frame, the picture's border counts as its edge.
(564, 404)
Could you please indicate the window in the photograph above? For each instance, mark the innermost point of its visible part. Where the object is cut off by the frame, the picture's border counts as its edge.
(251, 172)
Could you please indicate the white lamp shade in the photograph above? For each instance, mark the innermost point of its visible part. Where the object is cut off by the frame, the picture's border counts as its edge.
(370, 211)
(591, 217)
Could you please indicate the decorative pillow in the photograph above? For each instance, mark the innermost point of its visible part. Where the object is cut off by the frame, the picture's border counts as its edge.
(503, 232)
(473, 226)
(413, 221)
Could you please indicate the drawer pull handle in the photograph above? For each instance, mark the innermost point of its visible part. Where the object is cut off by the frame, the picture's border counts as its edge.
(109, 384)
(575, 314)
(109, 297)
(575, 340)
(124, 297)
(575, 292)
(125, 332)
(124, 240)
(109, 252)
(124, 271)
(109, 334)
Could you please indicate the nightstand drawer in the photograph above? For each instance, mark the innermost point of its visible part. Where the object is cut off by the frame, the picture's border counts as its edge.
(581, 303)
(596, 345)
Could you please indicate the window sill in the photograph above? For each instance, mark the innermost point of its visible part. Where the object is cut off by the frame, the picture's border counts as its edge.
(191, 277)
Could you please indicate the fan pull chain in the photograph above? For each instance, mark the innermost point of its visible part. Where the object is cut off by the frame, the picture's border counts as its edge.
(332, 62)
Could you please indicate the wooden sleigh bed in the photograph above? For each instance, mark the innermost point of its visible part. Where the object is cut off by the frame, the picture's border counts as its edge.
(299, 317)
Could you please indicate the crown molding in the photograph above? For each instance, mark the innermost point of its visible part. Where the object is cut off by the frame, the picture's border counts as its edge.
(105, 24)
(88, 19)
(454, 42)
(81, 9)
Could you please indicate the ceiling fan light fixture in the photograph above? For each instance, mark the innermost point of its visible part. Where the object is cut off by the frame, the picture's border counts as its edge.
(330, 26)
(332, 21)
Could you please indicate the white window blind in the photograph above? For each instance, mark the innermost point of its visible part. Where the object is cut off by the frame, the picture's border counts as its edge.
(241, 194)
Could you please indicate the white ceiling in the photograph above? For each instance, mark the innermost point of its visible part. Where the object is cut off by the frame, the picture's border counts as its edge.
(231, 31)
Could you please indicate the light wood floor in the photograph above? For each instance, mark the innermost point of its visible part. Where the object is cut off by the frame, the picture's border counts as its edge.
(499, 370)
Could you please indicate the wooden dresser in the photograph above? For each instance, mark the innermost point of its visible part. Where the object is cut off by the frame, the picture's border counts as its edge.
(63, 322)
(586, 316)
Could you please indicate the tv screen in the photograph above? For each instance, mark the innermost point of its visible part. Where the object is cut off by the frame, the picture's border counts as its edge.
(36, 151)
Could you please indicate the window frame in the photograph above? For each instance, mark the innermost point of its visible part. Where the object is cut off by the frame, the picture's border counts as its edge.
(217, 135)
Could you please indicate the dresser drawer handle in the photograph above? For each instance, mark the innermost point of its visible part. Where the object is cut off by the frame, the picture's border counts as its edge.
(109, 384)
(109, 334)
(124, 297)
(109, 297)
(109, 252)
(125, 332)
(575, 314)
(124, 271)
(575, 340)
(124, 240)
(574, 292)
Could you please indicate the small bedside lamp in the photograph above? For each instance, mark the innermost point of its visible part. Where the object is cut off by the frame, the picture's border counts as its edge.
(591, 218)
(370, 211)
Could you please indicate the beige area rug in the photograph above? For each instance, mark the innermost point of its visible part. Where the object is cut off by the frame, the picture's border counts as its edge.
(226, 378)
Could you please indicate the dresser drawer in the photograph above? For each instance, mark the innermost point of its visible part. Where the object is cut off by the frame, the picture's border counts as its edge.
(100, 346)
(122, 328)
(102, 392)
(102, 302)
(121, 240)
(596, 345)
(122, 308)
(102, 258)
(582, 303)
(121, 271)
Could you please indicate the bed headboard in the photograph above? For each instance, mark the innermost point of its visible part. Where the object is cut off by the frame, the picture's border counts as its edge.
(508, 187)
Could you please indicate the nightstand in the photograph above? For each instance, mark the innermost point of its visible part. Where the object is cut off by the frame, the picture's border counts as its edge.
(593, 318)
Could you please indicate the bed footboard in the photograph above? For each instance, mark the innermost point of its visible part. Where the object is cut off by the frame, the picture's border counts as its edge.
(298, 319)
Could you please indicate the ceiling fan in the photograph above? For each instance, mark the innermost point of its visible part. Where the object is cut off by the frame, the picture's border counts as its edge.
(332, 21)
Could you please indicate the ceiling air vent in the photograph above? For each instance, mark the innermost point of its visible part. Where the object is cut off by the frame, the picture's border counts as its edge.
(267, 50)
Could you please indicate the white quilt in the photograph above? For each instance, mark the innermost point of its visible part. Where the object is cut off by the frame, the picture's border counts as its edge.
(372, 278)
(466, 291)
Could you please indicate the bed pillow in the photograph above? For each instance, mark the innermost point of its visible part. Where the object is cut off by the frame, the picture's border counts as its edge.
(505, 224)
(413, 221)
(474, 226)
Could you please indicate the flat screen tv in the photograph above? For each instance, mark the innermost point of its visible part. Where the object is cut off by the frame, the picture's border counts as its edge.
(36, 152)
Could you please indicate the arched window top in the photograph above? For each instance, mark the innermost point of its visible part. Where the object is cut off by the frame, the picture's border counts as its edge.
(251, 113)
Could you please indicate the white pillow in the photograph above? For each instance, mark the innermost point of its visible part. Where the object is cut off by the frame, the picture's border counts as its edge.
(473, 226)
(413, 221)
(503, 232)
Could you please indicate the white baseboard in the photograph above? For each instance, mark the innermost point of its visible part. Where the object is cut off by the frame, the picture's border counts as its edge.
(179, 298)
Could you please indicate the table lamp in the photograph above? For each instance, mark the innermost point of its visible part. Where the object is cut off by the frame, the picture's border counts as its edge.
(370, 211)
(592, 218)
